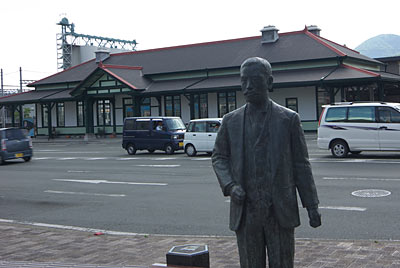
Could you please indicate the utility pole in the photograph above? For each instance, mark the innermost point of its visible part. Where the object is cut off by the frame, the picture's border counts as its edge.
(3, 112)
(20, 80)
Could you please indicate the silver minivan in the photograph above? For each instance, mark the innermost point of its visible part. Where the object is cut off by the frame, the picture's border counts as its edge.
(200, 135)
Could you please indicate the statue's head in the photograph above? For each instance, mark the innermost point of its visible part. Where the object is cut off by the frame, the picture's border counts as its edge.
(256, 78)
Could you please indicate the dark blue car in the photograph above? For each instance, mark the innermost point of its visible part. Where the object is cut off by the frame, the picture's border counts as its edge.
(14, 144)
(153, 133)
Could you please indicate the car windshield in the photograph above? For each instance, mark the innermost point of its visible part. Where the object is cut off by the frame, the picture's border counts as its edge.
(175, 124)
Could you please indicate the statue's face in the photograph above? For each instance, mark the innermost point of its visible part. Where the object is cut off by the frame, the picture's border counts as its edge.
(255, 82)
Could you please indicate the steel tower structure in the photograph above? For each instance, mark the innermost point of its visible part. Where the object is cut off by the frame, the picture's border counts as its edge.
(69, 38)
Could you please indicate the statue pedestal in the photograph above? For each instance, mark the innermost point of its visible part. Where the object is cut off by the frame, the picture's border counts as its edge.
(187, 256)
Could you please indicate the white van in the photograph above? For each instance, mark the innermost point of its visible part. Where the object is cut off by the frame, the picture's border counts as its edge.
(355, 127)
(200, 135)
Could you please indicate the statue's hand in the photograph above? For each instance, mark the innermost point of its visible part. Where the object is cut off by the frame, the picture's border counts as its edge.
(314, 216)
(238, 194)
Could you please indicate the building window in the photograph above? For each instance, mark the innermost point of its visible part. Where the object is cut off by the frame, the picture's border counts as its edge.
(145, 107)
(128, 107)
(45, 116)
(200, 106)
(103, 113)
(60, 114)
(226, 103)
(291, 103)
(80, 113)
(172, 105)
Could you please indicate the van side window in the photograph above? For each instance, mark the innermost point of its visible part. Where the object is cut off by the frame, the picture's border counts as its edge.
(361, 114)
(191, 127)
(388, 115)
(200, 127)
(142, 125)
(338, 114)
(213, 126)
(129, 124)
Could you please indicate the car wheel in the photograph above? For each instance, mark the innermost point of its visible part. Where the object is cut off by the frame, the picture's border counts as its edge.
(190, 150)
(151, 150)
(131, 149)
(355, 152)
(169, 149)
(339, 149)
(1, 160)
(27, 159)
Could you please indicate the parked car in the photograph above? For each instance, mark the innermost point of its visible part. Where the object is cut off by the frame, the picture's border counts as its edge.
(200, 135)
(153, 133)
(356, 127)
(14, 144)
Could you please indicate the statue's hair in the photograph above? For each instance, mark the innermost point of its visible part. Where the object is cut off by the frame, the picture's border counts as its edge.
(258, 61)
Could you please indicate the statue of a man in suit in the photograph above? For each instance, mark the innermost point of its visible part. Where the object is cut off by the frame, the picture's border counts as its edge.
(260, 159)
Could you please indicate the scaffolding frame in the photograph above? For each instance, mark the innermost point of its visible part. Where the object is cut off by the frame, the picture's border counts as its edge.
(69, 38)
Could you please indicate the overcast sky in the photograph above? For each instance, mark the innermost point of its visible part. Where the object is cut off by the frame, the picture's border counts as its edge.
(28, 28)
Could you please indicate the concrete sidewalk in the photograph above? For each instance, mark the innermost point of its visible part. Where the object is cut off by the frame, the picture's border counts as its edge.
(25, 245)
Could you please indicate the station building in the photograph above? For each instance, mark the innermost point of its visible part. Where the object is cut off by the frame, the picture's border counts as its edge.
(202, 80)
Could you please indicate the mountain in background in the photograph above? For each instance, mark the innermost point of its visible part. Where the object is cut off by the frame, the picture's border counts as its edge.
(384, 45)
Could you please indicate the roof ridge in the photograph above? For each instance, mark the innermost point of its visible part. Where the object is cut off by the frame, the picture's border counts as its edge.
(326, 39)
(122, 67)
(118, 77)
(313, 36)
(187, 45)
(16, 94)
(360, 70)
(73, 67)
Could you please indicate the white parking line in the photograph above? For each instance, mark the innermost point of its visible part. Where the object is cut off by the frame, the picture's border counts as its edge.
(331, 207)
(358, 179)
(78, 171)
(67, 158)
(166, 166)
(201, 159)
(113, 182)
(81, 193)
(344, 208)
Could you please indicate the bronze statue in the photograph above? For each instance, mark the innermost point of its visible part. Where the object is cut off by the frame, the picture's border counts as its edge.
(260, 159)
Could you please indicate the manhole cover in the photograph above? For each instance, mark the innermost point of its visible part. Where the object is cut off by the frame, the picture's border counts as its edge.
(371, 193)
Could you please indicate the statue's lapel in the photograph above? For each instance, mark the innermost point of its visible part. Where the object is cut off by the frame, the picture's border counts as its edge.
(275, 146)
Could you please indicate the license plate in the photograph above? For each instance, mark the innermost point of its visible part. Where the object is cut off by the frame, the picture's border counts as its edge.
(19, 155)
(181, 144)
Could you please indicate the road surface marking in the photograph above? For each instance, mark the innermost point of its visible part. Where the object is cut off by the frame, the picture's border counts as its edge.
(78, 171)
(128, 158)
(67, 158)
(81, 193)
(368, 161)
(359, 179)
(332, 207)
(167, 166)
(200, 159)
(40, 158)
(343, 208)
(371, 193)
(113, 182)
(96, 158)
(163, 158)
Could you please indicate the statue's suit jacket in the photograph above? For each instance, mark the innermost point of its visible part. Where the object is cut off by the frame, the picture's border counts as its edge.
(287, 157)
